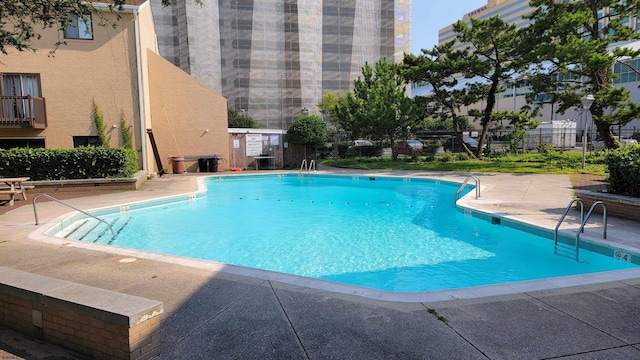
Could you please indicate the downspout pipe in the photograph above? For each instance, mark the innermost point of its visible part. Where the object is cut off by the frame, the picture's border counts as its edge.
(143, 132)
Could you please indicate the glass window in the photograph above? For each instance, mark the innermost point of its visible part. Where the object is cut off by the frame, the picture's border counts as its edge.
(79, 28)
(9, 143)
(86, 141)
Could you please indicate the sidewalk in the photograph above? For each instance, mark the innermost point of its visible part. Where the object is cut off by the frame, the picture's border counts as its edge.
(210, 313)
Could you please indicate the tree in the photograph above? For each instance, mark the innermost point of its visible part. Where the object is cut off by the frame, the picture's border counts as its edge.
(236, 120)
(378, 105)
(307, 130)
(491, 59)
(438, 68)
(573, 44)
(22, 21)
(327, 105)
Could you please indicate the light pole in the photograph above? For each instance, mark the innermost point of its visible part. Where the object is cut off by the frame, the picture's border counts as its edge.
(586, 101)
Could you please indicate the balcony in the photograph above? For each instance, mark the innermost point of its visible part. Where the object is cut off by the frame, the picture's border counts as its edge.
(22, 112)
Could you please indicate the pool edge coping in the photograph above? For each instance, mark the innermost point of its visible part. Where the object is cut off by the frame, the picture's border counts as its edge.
(474, 292)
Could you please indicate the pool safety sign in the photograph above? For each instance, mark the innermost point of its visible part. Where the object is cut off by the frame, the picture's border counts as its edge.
(254, 144)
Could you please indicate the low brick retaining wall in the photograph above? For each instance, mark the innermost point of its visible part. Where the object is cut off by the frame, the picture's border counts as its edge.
(619, 206)
(133, 183)
(96, 322)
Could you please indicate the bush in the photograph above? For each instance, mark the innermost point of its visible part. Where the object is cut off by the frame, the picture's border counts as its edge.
(367, 150)
(447, 157)
(624, 171)
(429, 147)
(61, 164)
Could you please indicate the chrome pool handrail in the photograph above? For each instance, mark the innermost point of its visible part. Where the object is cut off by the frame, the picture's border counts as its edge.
(35, 211)
(464, 183)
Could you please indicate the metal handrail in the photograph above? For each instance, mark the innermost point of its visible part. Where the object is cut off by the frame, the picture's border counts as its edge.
(311, 166)
(35, 211)
(555, 237)
(586, 218)
(464, 183)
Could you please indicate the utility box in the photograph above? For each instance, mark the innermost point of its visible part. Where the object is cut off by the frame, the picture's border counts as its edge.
(560, 133)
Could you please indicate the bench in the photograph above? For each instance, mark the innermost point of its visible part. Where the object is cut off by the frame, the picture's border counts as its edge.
(12, 194)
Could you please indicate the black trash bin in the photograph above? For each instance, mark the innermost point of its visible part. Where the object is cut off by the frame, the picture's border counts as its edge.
(203, 165)
(213, 164)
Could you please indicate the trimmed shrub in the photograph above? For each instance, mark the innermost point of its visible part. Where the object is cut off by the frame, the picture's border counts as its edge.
(624, 171)
(447, 157)
(366, 151)
(61, 164)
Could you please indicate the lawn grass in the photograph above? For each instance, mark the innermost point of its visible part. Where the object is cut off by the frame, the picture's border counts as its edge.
(552, 162)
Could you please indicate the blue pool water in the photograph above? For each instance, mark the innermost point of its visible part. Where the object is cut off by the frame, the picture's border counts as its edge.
(394, 234)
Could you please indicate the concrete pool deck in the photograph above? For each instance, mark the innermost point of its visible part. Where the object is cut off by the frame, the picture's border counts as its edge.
(216, 314)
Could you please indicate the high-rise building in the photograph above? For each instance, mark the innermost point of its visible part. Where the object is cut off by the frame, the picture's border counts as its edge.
(272, 59)
(510, 11)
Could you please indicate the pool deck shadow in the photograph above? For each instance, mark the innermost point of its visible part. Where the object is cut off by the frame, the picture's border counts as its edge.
(216, 311)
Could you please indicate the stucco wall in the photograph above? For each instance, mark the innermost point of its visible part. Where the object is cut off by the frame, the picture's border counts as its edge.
(188, 118)
(103, 69)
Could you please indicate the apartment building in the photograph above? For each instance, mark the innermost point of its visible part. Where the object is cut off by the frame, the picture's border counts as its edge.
(274, 59)
(47, 100)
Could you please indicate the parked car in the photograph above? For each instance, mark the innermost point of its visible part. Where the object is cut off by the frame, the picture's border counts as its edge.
(409, 146)
(453, 145)
(598, 143)
(628, 141)
(362, 143)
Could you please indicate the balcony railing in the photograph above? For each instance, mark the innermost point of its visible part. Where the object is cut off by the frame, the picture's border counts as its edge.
(20, 112)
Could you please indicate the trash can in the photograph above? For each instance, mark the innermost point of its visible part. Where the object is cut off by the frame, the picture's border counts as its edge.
(203, 165)
(177, 163)
(213, 164)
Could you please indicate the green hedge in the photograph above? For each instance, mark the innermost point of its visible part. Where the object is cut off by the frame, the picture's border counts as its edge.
(624, 171)
(61, 164)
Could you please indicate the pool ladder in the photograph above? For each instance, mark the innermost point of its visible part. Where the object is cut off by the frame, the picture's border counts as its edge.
(464, 184)
(583, 222)
(311, 166)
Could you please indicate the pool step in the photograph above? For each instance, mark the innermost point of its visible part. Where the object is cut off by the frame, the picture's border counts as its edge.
(96, 231)
(84, 230)
(566, 250)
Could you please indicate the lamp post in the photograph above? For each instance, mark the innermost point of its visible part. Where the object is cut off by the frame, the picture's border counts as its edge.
(586, 101)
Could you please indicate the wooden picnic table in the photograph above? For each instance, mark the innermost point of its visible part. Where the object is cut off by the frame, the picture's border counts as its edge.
(14, 186)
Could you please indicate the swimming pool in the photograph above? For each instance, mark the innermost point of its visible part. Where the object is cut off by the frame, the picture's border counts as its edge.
(387, 233)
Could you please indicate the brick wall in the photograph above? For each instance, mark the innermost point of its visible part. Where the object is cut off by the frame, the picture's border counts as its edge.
(96, 322)
(618, 206)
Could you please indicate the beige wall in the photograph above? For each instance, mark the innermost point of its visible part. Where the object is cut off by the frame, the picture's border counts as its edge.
(103, 69)
(178, 108)
(188, 118)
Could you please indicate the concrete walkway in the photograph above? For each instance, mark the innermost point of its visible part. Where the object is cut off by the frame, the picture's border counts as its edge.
(212, 311)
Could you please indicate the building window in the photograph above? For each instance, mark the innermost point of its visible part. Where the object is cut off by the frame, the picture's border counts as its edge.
(79, 28)
(86, 141)
(31, 143)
